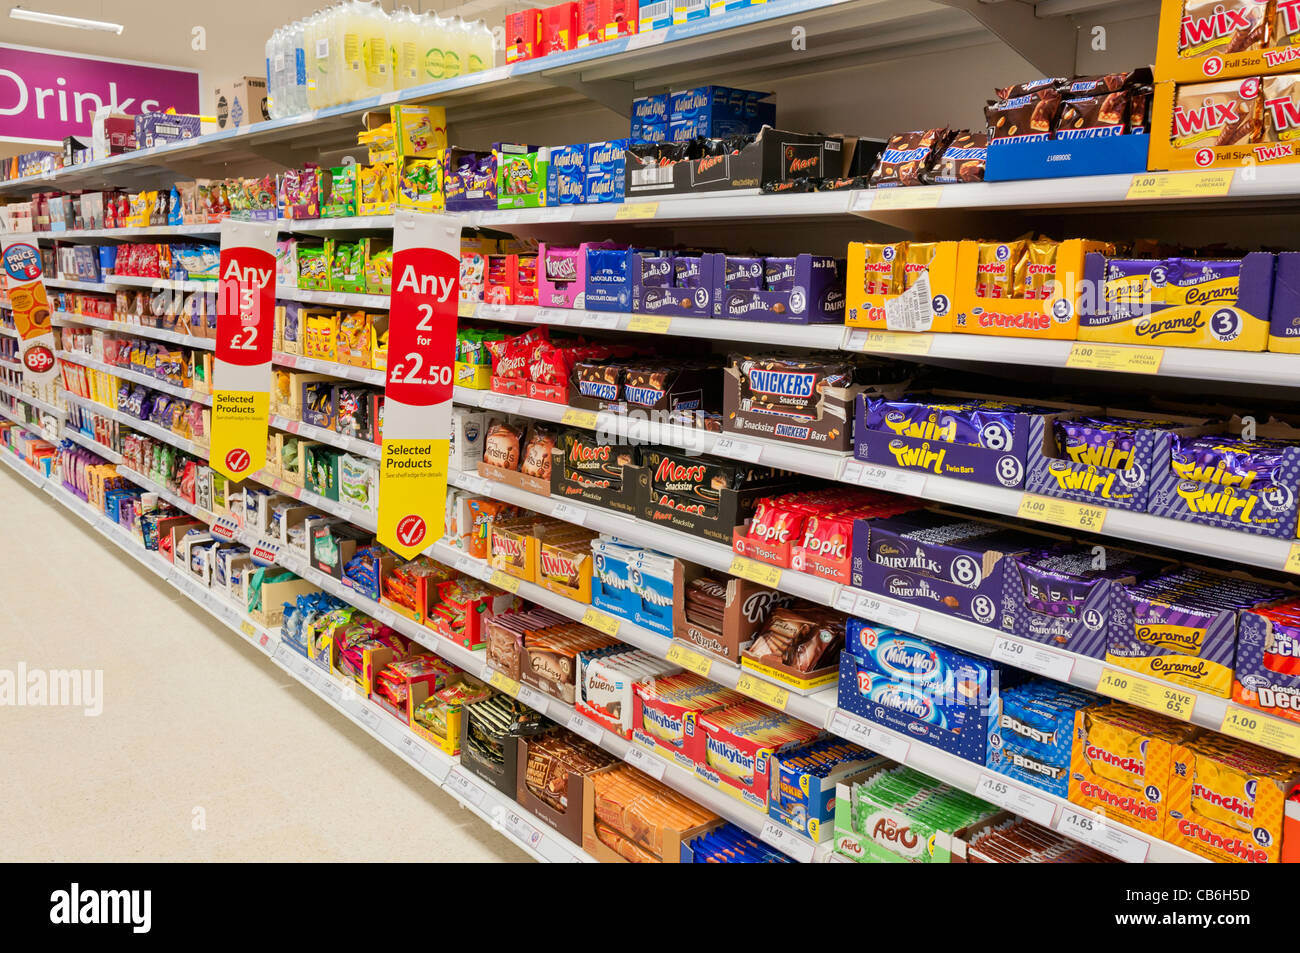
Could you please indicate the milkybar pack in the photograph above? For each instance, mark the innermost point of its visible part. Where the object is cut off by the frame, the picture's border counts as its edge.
(1121, 763)
(1227, 799)
(880, 277)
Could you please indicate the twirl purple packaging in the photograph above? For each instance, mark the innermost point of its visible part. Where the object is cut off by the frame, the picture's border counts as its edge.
(1194, 481)
(937, 432)
(1111, 467)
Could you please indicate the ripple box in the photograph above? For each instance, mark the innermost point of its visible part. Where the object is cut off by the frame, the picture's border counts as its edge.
(815, 296)
(1263, 511)
(1120, 487)
(1000, 461)
(935, 694)
(984, 566)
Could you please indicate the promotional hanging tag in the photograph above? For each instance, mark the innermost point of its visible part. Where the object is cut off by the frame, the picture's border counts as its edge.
(25, 287)
(241, 376)
(418, 389)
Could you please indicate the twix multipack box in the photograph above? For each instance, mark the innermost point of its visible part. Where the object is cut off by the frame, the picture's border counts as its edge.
(1227, 799)
(1121, 763)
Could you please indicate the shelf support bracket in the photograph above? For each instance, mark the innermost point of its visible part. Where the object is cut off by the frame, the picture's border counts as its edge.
(1048, 44)
(615, 94)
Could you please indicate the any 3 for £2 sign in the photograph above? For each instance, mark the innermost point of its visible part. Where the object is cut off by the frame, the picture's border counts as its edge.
(419, 386)
(241, 376)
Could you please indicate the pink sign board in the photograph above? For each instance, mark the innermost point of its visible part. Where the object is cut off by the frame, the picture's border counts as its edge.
(46, 96)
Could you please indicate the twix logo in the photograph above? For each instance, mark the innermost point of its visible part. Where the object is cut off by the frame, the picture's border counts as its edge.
(1222, 22)
(554, 564)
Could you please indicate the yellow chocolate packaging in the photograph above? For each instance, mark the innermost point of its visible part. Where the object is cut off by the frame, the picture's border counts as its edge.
(1227, 799)
(1121, 763)
(879, 273)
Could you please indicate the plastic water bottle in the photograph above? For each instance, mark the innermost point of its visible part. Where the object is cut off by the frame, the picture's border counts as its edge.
(482, 54)
(297, 68)
(273, 76)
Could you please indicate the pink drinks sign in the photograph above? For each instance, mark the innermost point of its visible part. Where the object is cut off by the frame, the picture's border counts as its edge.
(46, 96)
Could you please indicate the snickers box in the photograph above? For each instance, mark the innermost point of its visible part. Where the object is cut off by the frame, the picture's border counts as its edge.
(1194, 495)
(790, 400)
(774, 156)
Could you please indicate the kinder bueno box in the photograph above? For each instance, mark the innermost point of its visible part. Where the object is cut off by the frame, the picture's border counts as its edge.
(562, 274)
(1182, 626)
(1061, 595)
(805, 289)
(941, 696)
(605, 163)
(1267, 675)
(566, 176)
(949, 433)
(1227, 799)
(1234, 479)
(938, 561)
(1105, 458)
(1122, 761)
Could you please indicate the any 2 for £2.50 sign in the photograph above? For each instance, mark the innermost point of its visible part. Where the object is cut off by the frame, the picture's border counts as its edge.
(419, 386)
(241, 376)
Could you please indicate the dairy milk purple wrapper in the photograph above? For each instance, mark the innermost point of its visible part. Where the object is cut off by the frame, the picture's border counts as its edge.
(657, 271)
(953, 550)
(778, 274)
(743, 274)
(686, 271)
(1187, 272)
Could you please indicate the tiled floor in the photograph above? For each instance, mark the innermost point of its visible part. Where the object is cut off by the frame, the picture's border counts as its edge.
(204, 750)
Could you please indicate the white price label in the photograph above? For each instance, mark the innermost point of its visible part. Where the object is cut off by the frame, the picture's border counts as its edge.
(599, 319)
(475, 484)
(845, 599)
(502, 312)
(585, 727)
(533, 698)
(329, 688)
(1094, 830)
(855, 729)
(1000, 791)
(1032, 659)
(552, 316)
(737, 449)
(521, 829)
(368, 718)
(285, 655)
(414, 749)
(334, 298)
(869, 607)
(788, 842)
(508, 405)
(645, 761)
(462, 788)
(570, 514)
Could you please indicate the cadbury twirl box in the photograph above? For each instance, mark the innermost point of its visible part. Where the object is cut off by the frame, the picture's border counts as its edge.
(944, 697)
(1104, 459)
(1229, 479)
(949, 433)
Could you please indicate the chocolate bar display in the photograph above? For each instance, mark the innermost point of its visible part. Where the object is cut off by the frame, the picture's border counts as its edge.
(719, 614)
(676, 283)
(605, 682)
(798, 646)
(960, 159)
(1034, 734)
(562, 274)
(739, 162)
(1182, 626)
(668, 386)
(489, 740)
(808, 400)
(1267, 674)
(592, 469)
(908, 158)
(551, 769)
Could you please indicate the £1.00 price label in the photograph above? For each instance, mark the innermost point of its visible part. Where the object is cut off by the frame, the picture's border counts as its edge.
(1261, 729)
(1105, 357)
(420, 380)
(1047, 509)
(1162, 698)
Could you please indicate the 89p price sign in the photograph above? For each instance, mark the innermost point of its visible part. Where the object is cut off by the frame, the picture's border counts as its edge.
(25, 287)
(241, 376)
(420, 381)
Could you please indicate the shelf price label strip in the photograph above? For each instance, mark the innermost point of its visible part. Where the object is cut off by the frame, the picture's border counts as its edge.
(241, 375)
(419, 381)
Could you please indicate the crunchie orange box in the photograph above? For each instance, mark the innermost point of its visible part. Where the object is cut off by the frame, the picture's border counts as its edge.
(874, 266)
(1053, 318)
(1227, 799)
(1121, 763)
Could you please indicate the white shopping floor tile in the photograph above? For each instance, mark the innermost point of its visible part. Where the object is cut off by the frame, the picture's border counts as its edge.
(204, 750)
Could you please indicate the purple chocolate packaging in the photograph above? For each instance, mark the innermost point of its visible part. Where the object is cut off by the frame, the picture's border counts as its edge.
(814, 294)
(651, 294)
(742, 274)
(1266, 676)
(942, 547)
(471, 180)
(686, 271)
(658, 271)
(778, 274)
